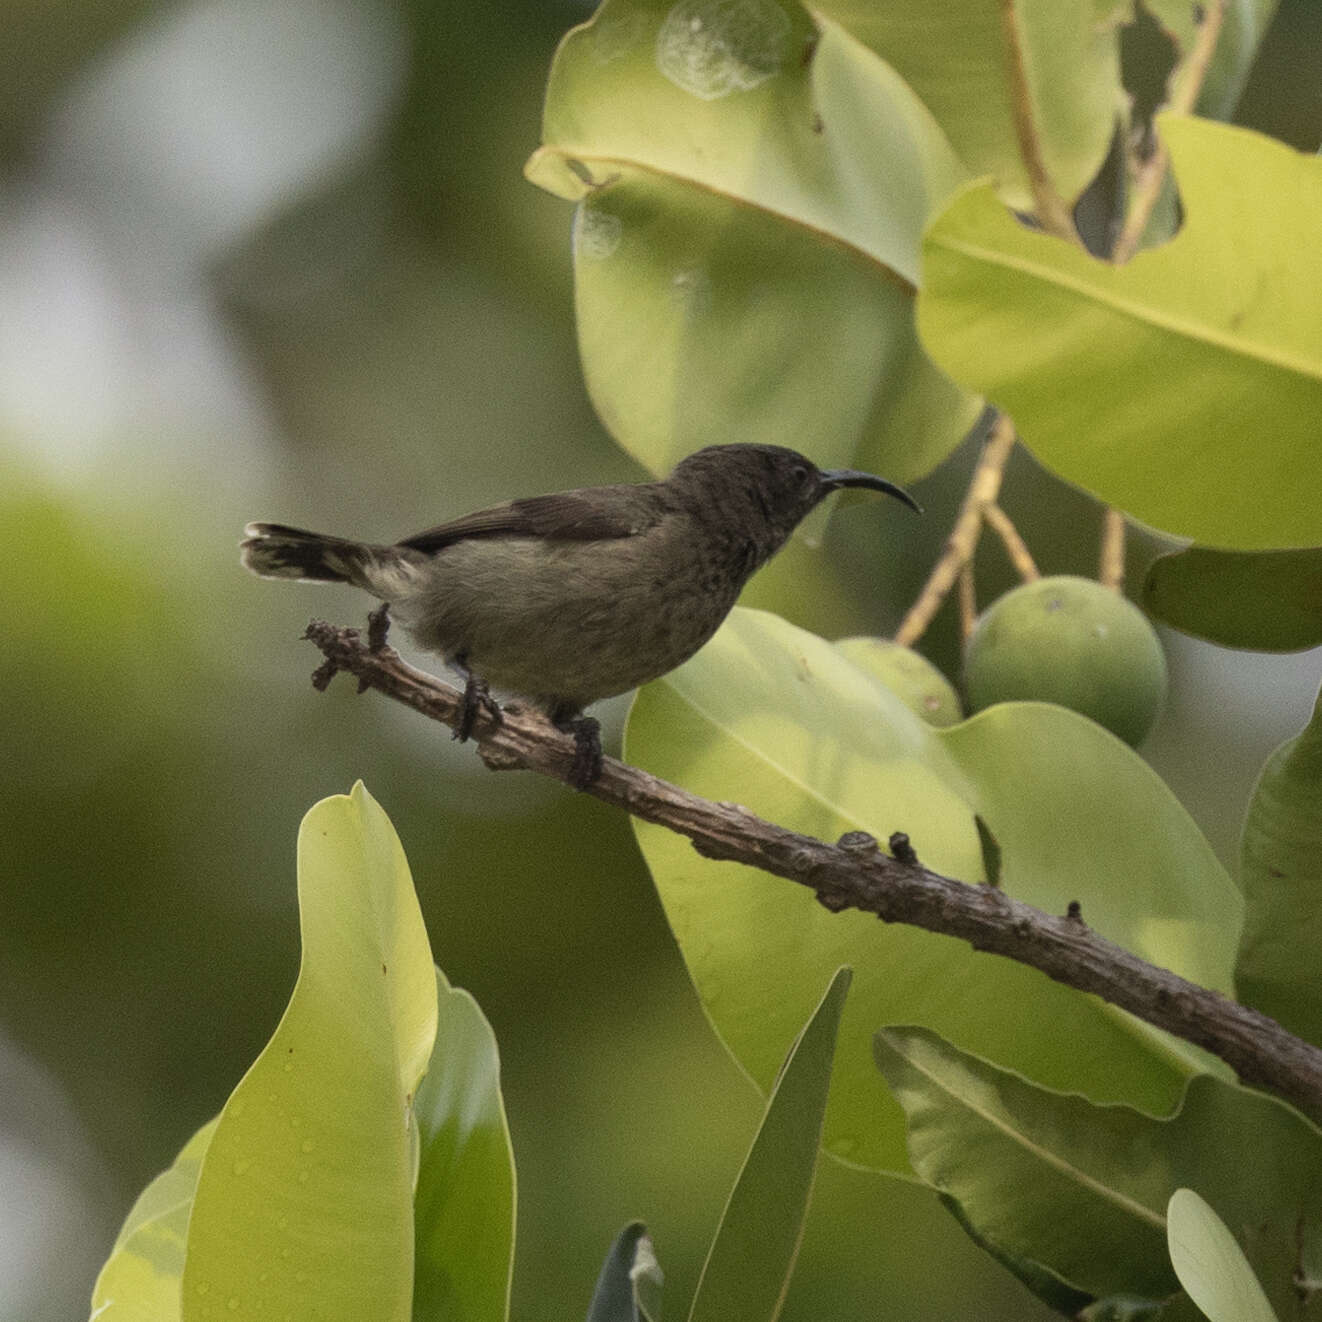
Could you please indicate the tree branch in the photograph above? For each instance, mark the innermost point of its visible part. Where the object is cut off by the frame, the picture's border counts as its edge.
(855, 874)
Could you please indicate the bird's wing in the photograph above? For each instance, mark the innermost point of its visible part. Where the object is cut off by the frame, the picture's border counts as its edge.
(593, 514)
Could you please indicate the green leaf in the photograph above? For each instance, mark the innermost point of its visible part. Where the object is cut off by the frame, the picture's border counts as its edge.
(778, 719)
(1080, 1191)
(464, 1204)
(1241, 31)
(629, 1287)
(1281, 874)
(316, 1149)
(627, 89)
(751, 1259)
(1039, 1278)
(1020, 1161)
(1211, 1265)
(1267, 601)
(1183, 387)
(956, 57)
(753, 194)
(695, 319)
(140, 1280)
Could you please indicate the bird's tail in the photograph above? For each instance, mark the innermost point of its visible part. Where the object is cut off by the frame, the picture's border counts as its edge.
(274, 550)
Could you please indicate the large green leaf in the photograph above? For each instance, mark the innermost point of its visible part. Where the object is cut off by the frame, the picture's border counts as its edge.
(304, 1203)
(703, 320)
(140, 1280)
(1079, 1192)
(1211, 1265)
(955, 55)
(1267, 601)
(752, 1257)
(1281, 875)
(777, 719)
(1183, 387)
(753, 193)
(464, 1205)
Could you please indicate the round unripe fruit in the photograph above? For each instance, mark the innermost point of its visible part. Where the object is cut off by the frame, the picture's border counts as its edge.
(1072, 642)
(911, 677)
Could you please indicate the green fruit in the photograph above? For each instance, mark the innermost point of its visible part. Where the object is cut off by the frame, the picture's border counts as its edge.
(911, 677)
(1072, 642)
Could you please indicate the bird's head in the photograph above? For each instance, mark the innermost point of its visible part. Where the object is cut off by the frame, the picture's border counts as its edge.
(774, 486)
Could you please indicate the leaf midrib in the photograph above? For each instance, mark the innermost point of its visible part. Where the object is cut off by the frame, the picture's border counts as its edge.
(735, 199)
(1199, 332)
(1045, 1155)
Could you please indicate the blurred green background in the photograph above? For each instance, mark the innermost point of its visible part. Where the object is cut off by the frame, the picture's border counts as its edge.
(278, 261)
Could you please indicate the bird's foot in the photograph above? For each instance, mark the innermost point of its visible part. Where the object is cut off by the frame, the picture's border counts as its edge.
(477, 697)
(587, 763)
(378, 627)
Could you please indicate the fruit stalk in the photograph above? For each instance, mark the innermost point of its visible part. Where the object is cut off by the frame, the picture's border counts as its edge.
(984, 489)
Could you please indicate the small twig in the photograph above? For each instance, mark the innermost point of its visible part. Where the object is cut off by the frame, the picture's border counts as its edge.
(1015, 546)
(1187, 79)
(1050, 208)
(984, 487)
(1111, 560)
(848, 876)
(968, 601)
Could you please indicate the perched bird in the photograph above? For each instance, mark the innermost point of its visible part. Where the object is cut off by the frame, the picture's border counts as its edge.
(569, 598)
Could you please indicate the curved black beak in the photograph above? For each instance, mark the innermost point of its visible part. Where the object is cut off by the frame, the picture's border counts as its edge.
(835, 478)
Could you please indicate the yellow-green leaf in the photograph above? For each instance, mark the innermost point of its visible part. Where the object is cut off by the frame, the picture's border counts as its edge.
(304, 1203)
(464, 1206)
(957, 56)
(1185, 386)
(1211, 1265)
(140, 1280)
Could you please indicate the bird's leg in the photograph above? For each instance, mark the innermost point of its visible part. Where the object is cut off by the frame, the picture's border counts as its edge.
(476, 696)
(586, 766)
(378, 627)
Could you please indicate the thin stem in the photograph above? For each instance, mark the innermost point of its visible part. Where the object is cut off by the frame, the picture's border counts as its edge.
(968, 601)
(984, 487)
(1187, 79)
(1051, 209)
(1111, 562)
(856, 874)
(1015, 546)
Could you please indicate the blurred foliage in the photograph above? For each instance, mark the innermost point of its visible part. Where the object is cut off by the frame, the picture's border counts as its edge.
(404, 324)
(46, 42)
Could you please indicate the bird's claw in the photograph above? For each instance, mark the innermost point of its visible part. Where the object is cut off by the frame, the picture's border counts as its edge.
(477, 697)
(378, 627)
(587, 764)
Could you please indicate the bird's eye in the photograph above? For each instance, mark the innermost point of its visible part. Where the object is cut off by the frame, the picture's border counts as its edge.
(800, 474)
